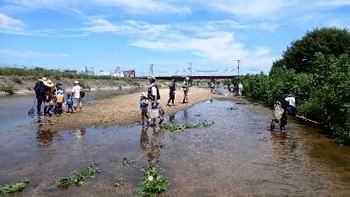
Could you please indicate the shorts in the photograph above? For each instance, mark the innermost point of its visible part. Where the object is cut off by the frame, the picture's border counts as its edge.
(77, 103)
(144, 111)
(155, 106)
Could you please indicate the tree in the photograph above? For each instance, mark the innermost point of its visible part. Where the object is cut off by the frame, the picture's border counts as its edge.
(300, 55)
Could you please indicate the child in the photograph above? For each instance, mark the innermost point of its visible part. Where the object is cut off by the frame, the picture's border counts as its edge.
(144, 108)
(69, 103)
(59, 102)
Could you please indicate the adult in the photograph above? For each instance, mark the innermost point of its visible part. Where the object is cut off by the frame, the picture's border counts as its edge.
(154, 96)
(76, 96)
(49, 99)
(185, 87)
(212, 87)
(291, 101)
(40, 90)
(240, 89)
(172, 88)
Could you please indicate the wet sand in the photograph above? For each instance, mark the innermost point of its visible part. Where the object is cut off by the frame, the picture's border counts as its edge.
(124, 110)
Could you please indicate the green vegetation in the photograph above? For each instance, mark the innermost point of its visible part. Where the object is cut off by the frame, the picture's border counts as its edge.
(55, 74)
(17, 80)
(13, 187)
(152, 183)
(318, 66)
(79, 178)
(9, 89)
(179, 128)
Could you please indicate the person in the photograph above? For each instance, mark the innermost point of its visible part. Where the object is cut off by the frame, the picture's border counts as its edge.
(240, 89)
(185, 87)
(212, 88)
(291, 101)
(144, 108)
(59, 102)
(280, 114)
(231, 87)
(154, 96)
(69, 103)
(76, 96)
(40, 90)
(172, 88)
(49, 99)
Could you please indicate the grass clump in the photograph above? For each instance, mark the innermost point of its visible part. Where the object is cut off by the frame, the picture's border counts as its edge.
(9, 89)
(178, 128)
(152, 183)
(17, 80)
(79, 178)
(13, 187)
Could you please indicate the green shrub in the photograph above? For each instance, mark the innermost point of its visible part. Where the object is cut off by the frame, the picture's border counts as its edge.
(9, 89)
(17, 80)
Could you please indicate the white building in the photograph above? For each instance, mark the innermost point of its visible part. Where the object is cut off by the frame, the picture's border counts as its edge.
(102, 73)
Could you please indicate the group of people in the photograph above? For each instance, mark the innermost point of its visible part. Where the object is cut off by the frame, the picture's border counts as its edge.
(280, 111)
(54, 98)
(237, 89)
(153, 96)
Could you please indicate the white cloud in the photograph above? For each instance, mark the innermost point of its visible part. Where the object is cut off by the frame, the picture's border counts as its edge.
(335, 3)
(10, 24)
(144, 6)
(29, 54)
(250, 8)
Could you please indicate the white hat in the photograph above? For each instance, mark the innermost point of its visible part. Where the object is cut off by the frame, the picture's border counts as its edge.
(43, 79)
(48, 83)
(187, 78)
(76, 82)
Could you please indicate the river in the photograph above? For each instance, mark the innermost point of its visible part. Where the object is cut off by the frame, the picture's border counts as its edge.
(237, 156)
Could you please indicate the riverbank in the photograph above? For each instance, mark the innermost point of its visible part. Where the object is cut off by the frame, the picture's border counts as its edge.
(121, 110)
(23, 85)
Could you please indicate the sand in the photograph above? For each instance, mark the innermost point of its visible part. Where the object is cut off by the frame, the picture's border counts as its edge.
(124, 109)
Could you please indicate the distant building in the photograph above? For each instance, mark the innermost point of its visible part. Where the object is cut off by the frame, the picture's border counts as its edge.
(71, 71)
(129, 74)
(89, 71)
(102, 73)
(118, 73)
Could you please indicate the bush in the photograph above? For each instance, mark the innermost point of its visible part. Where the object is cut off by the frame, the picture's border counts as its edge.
(17, 80)
(8, 89)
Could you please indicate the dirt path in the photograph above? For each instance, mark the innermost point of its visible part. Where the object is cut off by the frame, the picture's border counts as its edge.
(123, 110)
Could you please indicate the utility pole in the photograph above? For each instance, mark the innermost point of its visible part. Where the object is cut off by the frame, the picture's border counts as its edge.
(190, 69)
(150, 70)
(238, 61)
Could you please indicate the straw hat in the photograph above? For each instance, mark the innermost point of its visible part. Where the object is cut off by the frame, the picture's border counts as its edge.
(143, 94)
(48, 83)
(43, 79)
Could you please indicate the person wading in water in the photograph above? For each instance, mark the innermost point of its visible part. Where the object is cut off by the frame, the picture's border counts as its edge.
(185, 87)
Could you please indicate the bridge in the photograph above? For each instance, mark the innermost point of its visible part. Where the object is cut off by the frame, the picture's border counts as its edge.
(198, 77)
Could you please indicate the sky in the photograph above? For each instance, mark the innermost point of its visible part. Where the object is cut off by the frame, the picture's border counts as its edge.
(132, 34)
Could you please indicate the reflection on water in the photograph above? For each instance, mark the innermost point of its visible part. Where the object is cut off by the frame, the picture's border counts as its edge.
(237, 156)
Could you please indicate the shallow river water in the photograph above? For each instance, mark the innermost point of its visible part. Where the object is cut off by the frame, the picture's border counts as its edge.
(237, 156)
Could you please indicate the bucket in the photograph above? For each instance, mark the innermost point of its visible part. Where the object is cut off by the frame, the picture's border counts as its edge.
(154, 113)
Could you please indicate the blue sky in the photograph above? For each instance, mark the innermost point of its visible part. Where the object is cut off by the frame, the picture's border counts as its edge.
(132, 34)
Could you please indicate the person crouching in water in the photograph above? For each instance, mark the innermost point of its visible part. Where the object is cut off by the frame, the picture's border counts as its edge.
(69, 103)
(280, 115)
(144, 108)
(154, 96)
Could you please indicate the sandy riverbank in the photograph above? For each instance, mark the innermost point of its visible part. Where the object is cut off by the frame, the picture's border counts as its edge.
(123, 110)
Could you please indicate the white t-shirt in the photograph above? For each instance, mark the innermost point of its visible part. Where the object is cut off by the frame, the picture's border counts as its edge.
(240, 86)
(76, 91)
(291, 101)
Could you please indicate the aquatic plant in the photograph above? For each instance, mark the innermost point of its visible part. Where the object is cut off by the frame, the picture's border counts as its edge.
(178, 128)
(152, 183)
(79, 178)
(13, 187)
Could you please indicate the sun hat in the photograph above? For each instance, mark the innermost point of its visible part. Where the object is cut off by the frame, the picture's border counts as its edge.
(143, 94)
(48, 83)
(43, 79)
(187, 78)
(76, 82)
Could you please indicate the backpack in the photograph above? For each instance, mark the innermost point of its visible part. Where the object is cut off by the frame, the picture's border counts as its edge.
(82, 93)
(150, 96)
